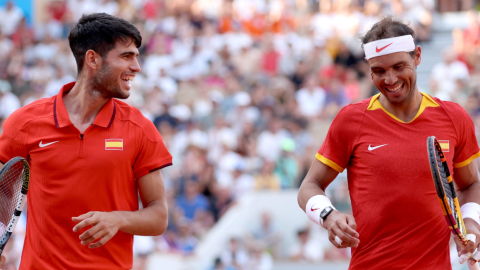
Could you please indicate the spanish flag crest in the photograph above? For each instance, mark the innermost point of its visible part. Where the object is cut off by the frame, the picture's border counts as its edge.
(445, 145)
(114, 144)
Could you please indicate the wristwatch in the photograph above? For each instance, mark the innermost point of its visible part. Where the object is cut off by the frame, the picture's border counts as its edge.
(325, 212)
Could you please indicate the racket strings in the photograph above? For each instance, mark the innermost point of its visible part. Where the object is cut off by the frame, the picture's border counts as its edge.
(10, 185)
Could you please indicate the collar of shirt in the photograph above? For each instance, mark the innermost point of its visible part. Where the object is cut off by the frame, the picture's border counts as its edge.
(104, 117)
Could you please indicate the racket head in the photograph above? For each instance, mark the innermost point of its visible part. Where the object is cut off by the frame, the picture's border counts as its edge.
(445, 189)
(14, 182)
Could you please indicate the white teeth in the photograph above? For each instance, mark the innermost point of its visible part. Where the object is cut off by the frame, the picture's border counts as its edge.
(395, 89)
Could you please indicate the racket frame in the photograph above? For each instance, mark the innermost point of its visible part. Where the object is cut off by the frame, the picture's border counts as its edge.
(21, 202)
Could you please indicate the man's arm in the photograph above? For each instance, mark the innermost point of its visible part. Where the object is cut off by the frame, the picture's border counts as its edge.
(318, 178)
(468, 191)
(151, 220)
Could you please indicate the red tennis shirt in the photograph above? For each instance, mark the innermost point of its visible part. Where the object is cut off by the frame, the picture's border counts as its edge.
(399, 219)
(72, 174)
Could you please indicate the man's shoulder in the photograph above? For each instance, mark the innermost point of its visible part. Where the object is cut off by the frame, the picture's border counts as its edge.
(354, 110)
(127, 113)
(35, 110)
(450, 107)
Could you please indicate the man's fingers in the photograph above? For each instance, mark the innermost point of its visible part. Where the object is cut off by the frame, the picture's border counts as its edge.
(348, 229)
(82, 217)
(84, 223)
(351, 222)
(2, 261)
(102, 241)
(94, 237)
(347, 240)
(90, 232)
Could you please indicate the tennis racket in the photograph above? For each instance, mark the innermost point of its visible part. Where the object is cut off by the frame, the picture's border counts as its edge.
(446, 192)
(14, 180)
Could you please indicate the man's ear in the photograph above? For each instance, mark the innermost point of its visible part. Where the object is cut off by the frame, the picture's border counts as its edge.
(93, 60)
(418, 55)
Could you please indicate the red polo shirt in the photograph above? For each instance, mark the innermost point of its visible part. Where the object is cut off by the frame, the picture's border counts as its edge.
(73, 173)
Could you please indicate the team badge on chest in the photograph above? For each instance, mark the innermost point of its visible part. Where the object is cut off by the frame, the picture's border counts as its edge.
(114, 144)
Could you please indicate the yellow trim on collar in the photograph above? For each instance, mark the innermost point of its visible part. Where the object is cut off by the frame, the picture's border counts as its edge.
(427, 101)
(329, 163)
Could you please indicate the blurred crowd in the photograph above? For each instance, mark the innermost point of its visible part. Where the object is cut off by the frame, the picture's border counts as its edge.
(242, 91)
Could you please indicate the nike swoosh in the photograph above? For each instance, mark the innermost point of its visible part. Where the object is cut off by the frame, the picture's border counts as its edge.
(381, 49)
(370, 148)
(313, 209)
(47, 144)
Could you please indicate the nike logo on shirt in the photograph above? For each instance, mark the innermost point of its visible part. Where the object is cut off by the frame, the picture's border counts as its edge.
(45, 145)
(381, 49)
(370, 148)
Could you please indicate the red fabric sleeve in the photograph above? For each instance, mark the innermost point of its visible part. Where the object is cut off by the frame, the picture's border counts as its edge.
(466, 148)
(152, 152)
(339, 144)
(13, 139)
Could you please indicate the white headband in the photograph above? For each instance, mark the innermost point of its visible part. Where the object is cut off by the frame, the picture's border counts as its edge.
(388, 46)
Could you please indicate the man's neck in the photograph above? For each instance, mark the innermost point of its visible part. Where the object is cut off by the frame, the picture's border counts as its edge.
(83, 104)
(404, 111)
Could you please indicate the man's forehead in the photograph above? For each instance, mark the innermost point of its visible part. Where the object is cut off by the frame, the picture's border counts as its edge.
(125, 46)
(388, 60)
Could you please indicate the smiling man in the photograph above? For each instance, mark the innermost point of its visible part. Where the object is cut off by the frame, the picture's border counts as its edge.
(397, 222)
(90, 156)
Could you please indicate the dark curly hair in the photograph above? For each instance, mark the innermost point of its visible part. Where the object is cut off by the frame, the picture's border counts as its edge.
(389, 27)
(100, 32)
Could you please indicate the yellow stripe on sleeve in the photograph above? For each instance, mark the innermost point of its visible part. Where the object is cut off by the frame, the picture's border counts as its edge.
(466, 162)
(329, 163)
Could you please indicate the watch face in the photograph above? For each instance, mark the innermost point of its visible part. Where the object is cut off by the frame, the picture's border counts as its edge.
(326, 211)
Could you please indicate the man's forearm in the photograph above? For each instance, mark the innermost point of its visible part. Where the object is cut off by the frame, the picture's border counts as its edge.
(307, 190)
(470, 193)
(151, 220)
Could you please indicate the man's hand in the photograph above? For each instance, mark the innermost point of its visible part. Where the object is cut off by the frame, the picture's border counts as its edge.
(2, 261)
(343, 226)
(104, 225)
(466, 252)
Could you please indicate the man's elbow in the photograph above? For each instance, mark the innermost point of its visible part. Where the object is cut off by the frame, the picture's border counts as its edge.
(162, 227)
(161, 223)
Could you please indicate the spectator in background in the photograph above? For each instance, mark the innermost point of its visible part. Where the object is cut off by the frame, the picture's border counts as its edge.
(287, 165)
(8, 101)
(306, 249)
(192, 201)
(235, 256)
(450, 75)
(311, 98)
(266, 179)
(265, 237)
(11, 16)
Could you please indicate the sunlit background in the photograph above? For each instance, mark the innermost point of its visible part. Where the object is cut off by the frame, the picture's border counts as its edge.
(243, 93)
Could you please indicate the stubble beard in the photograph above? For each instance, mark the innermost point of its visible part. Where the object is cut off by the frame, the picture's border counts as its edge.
(106, 85)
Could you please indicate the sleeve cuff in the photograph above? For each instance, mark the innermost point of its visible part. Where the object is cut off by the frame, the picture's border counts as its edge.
(466, 162)
(329, 163)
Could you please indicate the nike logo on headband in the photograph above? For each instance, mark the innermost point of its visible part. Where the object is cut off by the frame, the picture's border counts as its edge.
(381, 49)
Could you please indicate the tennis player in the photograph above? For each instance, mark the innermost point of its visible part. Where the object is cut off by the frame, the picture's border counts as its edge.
(90, 156)
(397, 222)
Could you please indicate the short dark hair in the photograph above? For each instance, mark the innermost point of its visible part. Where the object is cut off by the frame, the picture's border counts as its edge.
(389, 27)
(100, 32)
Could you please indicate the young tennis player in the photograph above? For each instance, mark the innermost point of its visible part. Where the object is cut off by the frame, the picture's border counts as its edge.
(397, 222)
(90, 155)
